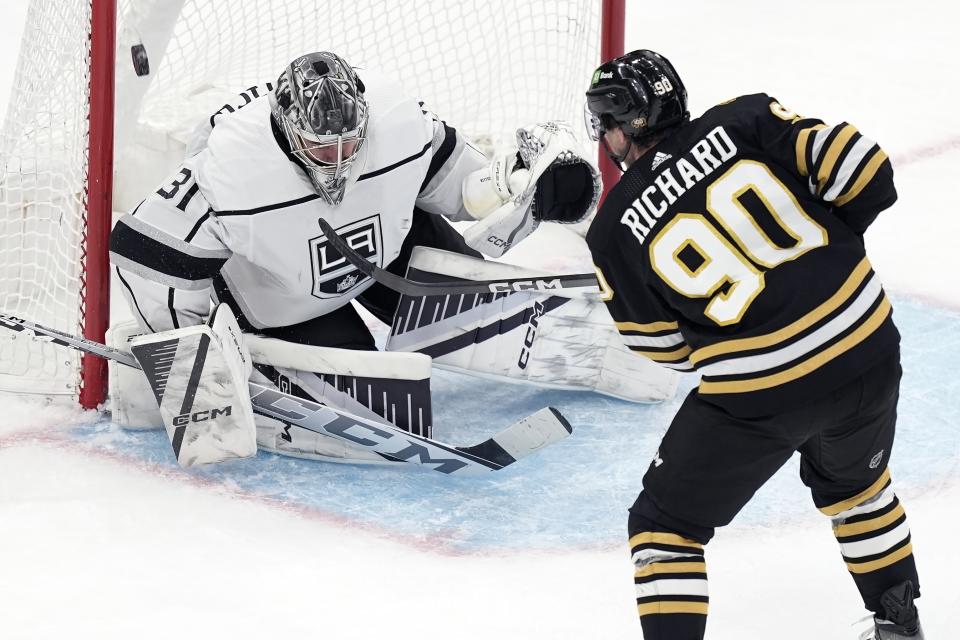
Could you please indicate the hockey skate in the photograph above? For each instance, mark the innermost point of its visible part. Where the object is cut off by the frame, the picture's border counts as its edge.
(901, 621)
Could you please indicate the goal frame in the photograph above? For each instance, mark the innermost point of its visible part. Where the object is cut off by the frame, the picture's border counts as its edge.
(95, 272)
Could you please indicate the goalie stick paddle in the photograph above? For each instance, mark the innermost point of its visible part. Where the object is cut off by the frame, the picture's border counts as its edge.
(517, 441)
(576, 284)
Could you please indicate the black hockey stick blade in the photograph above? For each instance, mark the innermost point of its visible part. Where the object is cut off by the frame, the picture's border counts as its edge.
(517, 441)
(576, 284)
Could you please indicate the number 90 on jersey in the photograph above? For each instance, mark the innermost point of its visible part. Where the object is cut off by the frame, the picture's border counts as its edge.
(722, 262)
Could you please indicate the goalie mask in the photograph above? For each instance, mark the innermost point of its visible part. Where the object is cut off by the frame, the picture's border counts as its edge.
(640, 93)
(319, 105)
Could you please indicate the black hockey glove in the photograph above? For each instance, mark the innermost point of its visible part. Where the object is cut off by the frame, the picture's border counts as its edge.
(564, 193)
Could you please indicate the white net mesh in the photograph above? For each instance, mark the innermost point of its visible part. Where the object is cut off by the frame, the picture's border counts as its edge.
(485, 67)
(42, 195)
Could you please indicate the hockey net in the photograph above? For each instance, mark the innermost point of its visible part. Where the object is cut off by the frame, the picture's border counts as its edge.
(486, 68)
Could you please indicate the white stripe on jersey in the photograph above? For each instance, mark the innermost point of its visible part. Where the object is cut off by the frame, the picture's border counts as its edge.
(668, 340)
(804, 346)
(850, 163)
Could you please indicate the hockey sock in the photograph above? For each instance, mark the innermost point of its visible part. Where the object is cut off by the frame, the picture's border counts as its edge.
(670, 578)
(874, 538)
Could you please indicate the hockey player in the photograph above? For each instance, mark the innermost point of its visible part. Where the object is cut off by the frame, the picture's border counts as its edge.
(733, 246)
(238, 222)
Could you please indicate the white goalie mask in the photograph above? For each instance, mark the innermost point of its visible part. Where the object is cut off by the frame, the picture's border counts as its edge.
(319, 105)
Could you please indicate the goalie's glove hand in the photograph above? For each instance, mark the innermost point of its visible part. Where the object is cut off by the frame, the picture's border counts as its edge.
(486, 190)
(564, 193)
(566, 185)
(554, 182)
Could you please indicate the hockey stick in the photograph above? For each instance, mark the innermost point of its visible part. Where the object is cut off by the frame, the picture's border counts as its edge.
(527, 435)
(565, 285)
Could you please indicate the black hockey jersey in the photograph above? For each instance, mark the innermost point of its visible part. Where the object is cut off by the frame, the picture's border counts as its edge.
(735, 248)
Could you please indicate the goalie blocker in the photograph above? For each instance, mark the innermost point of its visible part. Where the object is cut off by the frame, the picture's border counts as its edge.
(198, 376)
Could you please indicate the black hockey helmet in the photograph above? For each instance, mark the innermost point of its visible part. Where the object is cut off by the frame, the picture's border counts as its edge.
(640, 92)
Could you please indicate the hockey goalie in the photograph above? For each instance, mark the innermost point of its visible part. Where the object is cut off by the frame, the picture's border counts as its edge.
(230, 278)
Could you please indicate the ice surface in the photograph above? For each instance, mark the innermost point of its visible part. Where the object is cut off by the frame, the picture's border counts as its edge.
(572, 494)
(102, 536)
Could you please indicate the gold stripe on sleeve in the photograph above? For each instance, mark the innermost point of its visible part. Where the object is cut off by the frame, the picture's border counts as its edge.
(829, 159)
(650, 327)
(802, 147)
(865, 177)
(665, 356)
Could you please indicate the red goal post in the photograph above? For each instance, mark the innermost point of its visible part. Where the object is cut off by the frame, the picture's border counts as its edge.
(144, 71)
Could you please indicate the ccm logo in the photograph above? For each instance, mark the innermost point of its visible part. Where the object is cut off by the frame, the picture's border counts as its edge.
(498, 242)
(201, 416)
(531, 335)
(525, 285)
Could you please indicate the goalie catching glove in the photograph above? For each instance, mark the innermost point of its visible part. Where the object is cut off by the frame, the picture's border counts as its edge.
(549, 178)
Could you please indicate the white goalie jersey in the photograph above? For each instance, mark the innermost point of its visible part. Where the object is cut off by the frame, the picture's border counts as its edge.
(238, 221)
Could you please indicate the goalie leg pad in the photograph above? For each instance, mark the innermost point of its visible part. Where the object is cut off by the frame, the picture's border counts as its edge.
(551, 341)
(132, 402)
(392, 388)
(199, 378)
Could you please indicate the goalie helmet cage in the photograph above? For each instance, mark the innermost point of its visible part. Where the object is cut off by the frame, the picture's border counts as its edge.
(484, 67)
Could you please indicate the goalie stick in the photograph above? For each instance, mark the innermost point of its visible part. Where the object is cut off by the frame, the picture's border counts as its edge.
(527, 435)
(570, 285)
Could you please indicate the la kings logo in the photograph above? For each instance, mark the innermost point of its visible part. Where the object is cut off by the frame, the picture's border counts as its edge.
(333, 275)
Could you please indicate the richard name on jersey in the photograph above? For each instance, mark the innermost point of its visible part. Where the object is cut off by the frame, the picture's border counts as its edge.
(239, 218)
(746, 230)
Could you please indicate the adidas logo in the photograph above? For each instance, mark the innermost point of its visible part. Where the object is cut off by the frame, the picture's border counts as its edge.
(659, 159)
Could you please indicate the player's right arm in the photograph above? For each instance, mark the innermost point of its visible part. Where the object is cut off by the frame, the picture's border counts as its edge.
(166, 251)
(842, 167)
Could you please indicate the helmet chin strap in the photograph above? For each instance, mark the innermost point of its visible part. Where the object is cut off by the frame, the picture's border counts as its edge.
(618, 159)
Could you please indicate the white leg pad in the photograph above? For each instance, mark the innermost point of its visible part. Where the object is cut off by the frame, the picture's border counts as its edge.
(290, 440)
(405, 377)
(539, 338)
(388, 387)
(132, 403)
